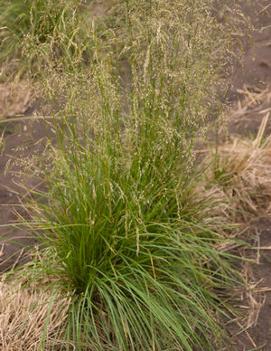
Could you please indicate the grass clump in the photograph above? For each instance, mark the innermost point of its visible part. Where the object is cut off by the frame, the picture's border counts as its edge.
(122, 218)
(129, 239)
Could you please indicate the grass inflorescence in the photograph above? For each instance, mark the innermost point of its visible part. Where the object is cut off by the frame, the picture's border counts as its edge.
(36, 34)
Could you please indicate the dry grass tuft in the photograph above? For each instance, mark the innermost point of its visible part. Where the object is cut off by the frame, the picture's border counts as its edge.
(242, 171)
(253, 100)
(28, 318)
(15, 98)
(250, 110)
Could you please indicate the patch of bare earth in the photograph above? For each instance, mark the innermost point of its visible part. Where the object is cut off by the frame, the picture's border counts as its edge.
(22, 136)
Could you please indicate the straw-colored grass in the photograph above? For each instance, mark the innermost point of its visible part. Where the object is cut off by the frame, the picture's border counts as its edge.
(242, 170)
(30, 319)
(247, 115)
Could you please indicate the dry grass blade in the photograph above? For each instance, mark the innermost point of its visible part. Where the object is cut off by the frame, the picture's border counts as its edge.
(247, 116)
(242, 169)
(252, 101)
(28, 317)
(15, 98)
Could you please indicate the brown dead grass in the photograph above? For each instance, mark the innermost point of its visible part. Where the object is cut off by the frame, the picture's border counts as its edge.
(242, 171)
(15, 98)
(247, 115)
(30, 320)
(253, 101)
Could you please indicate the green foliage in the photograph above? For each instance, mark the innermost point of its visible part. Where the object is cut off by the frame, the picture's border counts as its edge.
(41, 32)
(129, 240)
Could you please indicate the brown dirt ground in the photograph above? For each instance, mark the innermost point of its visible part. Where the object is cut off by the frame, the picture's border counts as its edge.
(21, 140)
(253, 74)
(25, 138)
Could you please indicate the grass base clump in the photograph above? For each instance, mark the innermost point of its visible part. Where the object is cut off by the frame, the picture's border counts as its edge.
(130, 243)
(128, 232)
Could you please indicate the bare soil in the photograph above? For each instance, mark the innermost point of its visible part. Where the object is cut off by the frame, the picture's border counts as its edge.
(253, 74)
(22, 140)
